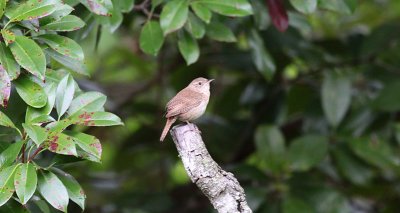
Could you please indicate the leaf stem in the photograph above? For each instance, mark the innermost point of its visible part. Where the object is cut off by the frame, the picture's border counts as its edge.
(38, 150)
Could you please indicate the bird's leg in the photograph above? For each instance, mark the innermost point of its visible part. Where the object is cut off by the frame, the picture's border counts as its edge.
(196, 129)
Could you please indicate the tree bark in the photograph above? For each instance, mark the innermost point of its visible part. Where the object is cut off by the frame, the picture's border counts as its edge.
(221, 187)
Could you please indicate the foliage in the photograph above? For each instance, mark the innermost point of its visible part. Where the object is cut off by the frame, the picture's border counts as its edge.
(304, 109)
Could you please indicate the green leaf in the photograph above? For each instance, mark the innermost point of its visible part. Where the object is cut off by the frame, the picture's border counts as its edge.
(64, 95)
(261, 16)
(228, 7)
(53, 190)
(25, 181)
(88, 143)
(5, 87)
(63, 45)
(99, 7)
(126, 5)
(7, 184)
(61, 11)
(352, 168)
(65, 24)
(70, 63)
(33, 113)
(307, 151)
(188, 47)
(88, 101)
(271, 148)
(375, 151)
(3, 4)
(195, 26)
(8, 156)
(295, 205)
(339, 6)
(219, 32)
(6, 121)
(261, 58)
(31, 9)
(36, 133)
(174, 15)
(60, 143)
(201, 11)
(32, 93)
(8, 62)
(12, 206)
(29, 55)
(151, 38)
(95, 119)
(336, 97)
(388, 98)
(8, 36)
(75, 191)
(304, 6)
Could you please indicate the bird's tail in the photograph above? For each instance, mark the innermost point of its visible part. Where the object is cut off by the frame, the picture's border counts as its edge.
(168, 125)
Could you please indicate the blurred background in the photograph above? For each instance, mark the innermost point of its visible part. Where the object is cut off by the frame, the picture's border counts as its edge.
(307, 119)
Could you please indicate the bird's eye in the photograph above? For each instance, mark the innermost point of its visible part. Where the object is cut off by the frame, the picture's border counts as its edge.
(199, 83)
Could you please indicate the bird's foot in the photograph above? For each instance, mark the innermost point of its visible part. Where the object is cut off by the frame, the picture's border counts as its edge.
(195, 128)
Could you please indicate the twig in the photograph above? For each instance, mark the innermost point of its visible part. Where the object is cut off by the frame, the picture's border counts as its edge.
(143, 7)
(221, 187)
(35, 153)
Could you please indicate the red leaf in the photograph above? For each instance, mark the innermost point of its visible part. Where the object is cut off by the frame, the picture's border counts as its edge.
(278, 14)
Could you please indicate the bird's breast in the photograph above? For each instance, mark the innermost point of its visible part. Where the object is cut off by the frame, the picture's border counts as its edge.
(194, 113)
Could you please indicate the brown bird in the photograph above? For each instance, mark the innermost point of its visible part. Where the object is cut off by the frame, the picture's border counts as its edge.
(189, 104)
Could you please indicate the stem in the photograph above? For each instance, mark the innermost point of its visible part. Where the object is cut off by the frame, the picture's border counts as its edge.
(23, 152)
(38, 150)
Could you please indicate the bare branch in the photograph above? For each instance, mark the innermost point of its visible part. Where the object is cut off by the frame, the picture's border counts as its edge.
(221, 187)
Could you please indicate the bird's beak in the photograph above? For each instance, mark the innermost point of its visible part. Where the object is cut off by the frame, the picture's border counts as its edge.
(209, 81)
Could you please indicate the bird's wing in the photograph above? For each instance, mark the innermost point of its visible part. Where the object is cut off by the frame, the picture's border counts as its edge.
(183, 102)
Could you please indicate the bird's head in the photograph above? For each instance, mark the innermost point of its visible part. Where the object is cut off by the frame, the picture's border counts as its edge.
(201, 85)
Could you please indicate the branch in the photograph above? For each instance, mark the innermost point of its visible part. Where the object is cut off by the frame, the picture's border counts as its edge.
(221, 187)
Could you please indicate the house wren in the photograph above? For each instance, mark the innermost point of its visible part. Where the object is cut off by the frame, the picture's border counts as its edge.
(189, 104)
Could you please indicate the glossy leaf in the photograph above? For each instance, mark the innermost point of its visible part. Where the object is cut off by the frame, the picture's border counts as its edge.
(66, 23)
(7, 184)
(36, 133)
(3, 4)
(53, 190)
(96, 119)
(126, 5)
(29, 55)
(31, 9)
(340, 6)
(336, 97)
(188, 47)
(33, 113)
(307, 151)
(219, 32)
(375, 151)
(270, 146)
(304, 6)
(60, 143)
(32, 93)
(70, 63)
(261, 58)
(8, 62)
(25, 181)
(12, 206)
(5, 87)
(75, 191)
(89, 102)
(6, 121)
(195, 26)
(151, 38)
(99, 7)
(174, 15)
(63, 45)
(88, 143)
(228, 7)
(201, 11)
(64, 94)
(8, 156)
(8, 36)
